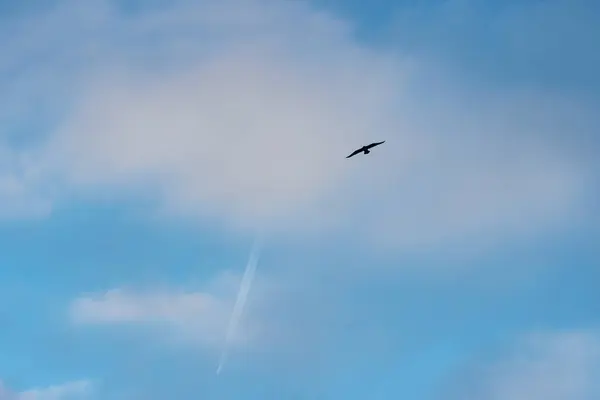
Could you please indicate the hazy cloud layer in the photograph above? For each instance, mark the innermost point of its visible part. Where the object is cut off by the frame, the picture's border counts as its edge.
(241, 112)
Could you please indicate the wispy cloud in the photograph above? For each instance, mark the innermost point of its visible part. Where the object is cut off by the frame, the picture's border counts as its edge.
(548, 366)
(195, 317)
(21, 189)
(75, 390)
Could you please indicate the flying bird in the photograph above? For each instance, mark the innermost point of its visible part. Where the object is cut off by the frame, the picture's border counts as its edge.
(365, 149)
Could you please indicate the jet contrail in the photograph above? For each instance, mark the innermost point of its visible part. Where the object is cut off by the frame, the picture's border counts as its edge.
(238, 308)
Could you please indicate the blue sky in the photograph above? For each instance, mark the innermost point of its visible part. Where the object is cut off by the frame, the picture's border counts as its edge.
(143, 144)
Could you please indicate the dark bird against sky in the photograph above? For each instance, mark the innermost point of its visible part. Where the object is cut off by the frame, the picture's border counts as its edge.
(365, 149)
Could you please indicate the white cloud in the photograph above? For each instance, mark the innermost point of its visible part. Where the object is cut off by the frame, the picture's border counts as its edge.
(242, 112)
(75, 390)
(196, 317)
(548, 366)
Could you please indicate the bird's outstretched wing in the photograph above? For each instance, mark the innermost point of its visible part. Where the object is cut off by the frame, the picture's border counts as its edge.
(355, 152)
(375, 144)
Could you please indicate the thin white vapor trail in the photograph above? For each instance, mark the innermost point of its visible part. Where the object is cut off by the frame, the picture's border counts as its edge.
(242, 296)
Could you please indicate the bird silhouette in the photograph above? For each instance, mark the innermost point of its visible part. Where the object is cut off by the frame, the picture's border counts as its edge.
(365, 149)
